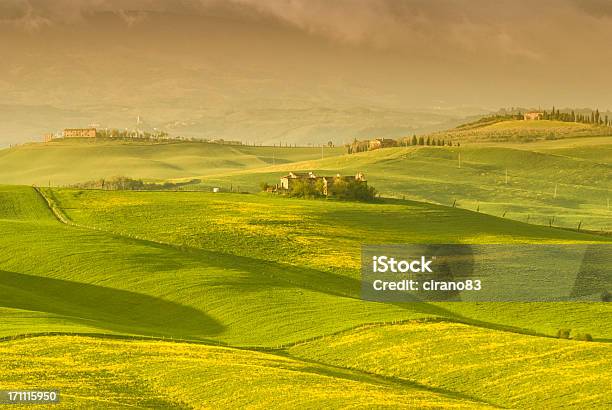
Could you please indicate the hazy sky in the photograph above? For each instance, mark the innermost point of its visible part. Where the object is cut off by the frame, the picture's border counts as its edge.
(168, 57)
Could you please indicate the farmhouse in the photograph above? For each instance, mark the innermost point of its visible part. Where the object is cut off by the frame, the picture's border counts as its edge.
(79, 133)
(381, 143)
(287, 182)
(534, 115)
(325, 183)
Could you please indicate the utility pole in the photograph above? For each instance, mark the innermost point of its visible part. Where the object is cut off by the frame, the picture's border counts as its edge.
(555, 194)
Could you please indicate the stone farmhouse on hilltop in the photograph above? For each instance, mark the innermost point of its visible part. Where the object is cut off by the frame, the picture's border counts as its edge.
(287, 182)
(79, 133)
(534, 115)
(381, 143)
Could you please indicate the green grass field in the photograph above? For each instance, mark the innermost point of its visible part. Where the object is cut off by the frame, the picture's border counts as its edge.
(523, 131)
(504, 369)
(546, 183)
(99, 373)
(64, 162)
(300, 267)
(566, 183)
(222, 272)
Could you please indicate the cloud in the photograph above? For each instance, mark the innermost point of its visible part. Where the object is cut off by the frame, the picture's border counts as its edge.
(595, 8)
(516, 28)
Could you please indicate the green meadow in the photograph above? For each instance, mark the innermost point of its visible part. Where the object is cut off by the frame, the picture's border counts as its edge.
(195, 299)
(505, 369)
(539, 184)
(64, 162)
(116, 374)
(523, 131)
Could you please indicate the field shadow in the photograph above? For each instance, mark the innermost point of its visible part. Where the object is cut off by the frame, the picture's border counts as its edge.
(279, 275)
(105, 308)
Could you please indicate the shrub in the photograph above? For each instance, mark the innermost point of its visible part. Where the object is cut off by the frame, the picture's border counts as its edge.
(585, 337)
(605, 296)
(352, 191)
(564, 333)
(304, 189)
(264, 186)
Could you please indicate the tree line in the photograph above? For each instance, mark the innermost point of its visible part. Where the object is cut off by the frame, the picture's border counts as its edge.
(595, 117)
(121, 183)
(365, 145)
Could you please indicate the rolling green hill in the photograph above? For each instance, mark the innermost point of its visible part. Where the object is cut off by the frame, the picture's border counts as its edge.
(554, 182)
(522, 131)
(277, 274)
(295, 260)
(99, 373)
(564, 183)
(62, 162)
(504, 369)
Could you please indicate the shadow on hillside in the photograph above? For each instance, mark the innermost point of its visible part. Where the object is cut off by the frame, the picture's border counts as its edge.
(106, 308)
(257, 274)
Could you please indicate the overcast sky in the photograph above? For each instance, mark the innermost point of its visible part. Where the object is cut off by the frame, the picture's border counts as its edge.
(395, 53)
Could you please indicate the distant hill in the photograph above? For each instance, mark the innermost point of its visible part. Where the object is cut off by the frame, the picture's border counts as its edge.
(64, 162)
(521, 131)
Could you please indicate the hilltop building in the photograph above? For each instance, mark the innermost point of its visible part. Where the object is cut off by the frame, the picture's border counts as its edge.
(79, 133)
(287, 182)
(381, 143)
(534, 115)
(48, 137)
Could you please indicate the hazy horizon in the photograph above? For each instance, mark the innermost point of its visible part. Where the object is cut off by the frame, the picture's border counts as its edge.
(294, 70)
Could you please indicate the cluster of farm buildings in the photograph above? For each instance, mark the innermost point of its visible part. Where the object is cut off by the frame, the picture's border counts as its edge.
(73, 133)
(534, 115)
(288, 182)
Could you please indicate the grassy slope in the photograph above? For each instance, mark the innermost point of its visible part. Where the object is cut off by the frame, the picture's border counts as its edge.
(579, 167)
(192, 288)
(57, 277)
(519, 130)
(94, 373)
(315, 245)
(505, 369)
(582, 176)
(67, 162)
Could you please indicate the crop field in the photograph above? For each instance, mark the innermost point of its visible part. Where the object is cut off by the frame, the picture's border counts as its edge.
(564, 183)
(501, 368)
(538, 183)
(195, 299)
(311, 247)
(64, 162)
(101, 373)
(524, 131)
